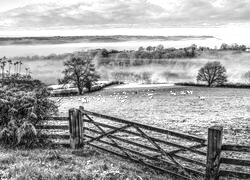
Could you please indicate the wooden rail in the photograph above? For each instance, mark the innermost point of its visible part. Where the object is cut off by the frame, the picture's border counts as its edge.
(164, 131)
(56, 118)
(60, 127)
(237, 148)
(155, 139)
(238, 162)
(235, 162)
(151, 150)
(235, 174)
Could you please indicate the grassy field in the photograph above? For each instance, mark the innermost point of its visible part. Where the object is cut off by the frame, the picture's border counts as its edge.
(65, 164)
(168, 107)
(173, 108)
(189, 113)
(156, 106)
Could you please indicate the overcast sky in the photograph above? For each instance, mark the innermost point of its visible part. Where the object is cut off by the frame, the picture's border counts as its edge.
(147, 17)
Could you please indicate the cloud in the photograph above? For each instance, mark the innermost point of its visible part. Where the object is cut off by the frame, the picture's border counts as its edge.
(126, 13)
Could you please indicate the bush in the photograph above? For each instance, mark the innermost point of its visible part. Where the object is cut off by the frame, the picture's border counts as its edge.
(226, 85)
(21, 112)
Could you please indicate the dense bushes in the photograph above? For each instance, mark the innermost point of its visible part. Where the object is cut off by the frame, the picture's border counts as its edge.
(20, 82)
(225, 85)
(21, 112)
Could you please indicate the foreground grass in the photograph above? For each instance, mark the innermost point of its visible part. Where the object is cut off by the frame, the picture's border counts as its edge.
(64, 163)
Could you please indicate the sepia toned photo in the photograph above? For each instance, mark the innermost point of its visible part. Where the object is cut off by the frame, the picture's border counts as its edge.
(124, 89)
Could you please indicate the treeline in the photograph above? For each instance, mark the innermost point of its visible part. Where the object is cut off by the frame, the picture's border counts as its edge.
(159, 52)
(144, 55)
(150, 52)
(154, 52)
(234, 47)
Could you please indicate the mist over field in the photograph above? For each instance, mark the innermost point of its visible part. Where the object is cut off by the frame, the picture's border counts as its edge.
(171, 71)
(167, 71)
(42, 46)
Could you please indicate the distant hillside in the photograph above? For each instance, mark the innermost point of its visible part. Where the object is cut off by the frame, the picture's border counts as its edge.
(89, 39)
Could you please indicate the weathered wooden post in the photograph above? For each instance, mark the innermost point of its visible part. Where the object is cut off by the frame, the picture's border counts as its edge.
(83, 125)
(213, 152)
(75, 128)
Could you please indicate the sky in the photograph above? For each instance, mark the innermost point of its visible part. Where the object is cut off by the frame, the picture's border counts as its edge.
(126, 17)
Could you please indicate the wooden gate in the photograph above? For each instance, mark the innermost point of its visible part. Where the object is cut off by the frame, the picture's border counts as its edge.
(172, 152)
(181, 155)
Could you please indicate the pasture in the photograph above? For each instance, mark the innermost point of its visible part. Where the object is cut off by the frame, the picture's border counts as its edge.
(189, 110)
(184, 109)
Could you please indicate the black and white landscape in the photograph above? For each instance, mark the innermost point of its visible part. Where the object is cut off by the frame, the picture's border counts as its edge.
(125, 89)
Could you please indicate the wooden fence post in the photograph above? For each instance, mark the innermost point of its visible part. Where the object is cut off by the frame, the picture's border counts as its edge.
(213, 152)
(83, 125)
(75, 128)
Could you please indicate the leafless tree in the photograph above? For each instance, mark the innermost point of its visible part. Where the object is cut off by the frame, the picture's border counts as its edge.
(213, 73)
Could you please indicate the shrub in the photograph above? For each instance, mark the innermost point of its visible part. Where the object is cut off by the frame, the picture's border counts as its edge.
(21, 112)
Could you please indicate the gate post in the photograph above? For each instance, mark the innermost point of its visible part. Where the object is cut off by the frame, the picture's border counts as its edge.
(213, 152)
(83, 124)
(75, 128)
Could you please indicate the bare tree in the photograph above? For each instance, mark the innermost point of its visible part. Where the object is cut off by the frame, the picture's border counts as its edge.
(81, 72)
(213, 73)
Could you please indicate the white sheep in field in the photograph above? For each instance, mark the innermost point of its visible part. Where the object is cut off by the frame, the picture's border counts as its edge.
(172, 93)
(84, 100)
(182, 93)
(201, 97)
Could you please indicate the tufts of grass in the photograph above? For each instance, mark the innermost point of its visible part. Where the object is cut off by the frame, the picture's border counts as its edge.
(65, 164)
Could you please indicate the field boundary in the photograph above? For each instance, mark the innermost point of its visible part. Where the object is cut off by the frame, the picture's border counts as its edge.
(154, 147)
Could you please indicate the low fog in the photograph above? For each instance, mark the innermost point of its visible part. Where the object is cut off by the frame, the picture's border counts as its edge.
(172, 71)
